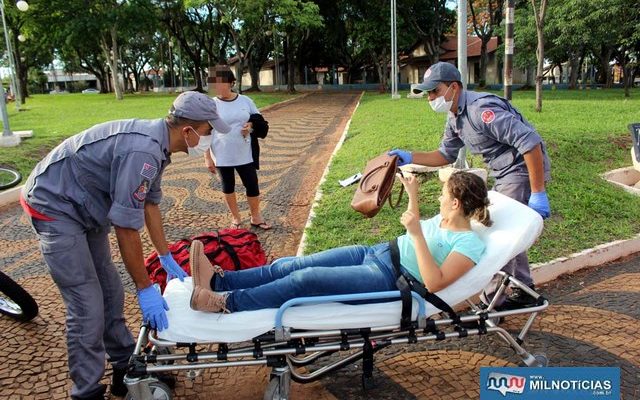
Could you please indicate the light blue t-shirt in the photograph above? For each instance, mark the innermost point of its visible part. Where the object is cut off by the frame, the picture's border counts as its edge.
(441, 242)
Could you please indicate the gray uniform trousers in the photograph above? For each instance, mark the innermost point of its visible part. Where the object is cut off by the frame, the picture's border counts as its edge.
(518, 266)
(80, 264)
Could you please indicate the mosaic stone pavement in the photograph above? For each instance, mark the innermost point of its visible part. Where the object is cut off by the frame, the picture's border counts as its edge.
(594, 318)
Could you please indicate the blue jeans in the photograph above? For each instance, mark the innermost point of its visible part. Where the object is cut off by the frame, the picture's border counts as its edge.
(343, 270)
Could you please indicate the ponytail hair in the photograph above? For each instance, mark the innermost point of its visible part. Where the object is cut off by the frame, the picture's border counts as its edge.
(471, 191)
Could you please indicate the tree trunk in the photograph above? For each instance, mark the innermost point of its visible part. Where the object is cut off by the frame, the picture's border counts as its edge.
(254, 72)
(604, 73)
(540, 70)
(111, 55)
(628, 77)
(483, 63)
(540, 50)
(573, 72)
(290, 67)
(529, 83)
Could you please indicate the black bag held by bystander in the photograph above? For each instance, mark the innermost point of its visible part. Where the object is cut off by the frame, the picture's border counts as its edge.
(260, 130)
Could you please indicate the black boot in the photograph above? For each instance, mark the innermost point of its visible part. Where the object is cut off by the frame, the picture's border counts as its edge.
(118, 388)
(518, 299)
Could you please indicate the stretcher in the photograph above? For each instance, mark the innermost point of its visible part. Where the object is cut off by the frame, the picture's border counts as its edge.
(290, 339)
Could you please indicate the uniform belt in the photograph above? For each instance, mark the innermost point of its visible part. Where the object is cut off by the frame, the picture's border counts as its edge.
(33, 213)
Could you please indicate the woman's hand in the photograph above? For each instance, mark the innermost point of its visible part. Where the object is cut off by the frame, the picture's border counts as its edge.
(246, 129)
(211, 165)
(411, 222)
(410, 184)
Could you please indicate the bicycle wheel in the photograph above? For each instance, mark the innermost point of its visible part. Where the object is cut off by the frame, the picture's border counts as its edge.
(9, 177)
(15, 301)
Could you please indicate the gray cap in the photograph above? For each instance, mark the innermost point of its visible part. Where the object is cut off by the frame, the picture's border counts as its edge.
(438, 72)
(198, 107)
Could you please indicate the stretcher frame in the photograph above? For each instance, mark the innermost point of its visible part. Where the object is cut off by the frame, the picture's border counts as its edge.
(286, 350)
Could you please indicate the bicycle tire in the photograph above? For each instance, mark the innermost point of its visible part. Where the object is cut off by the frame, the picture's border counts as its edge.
(9, 177)
(16, 302)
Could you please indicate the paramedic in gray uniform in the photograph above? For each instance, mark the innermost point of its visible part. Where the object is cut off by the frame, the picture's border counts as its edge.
(488, 125)
(110, 175)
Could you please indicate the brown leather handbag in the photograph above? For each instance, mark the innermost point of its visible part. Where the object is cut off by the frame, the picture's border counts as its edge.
(376, 185)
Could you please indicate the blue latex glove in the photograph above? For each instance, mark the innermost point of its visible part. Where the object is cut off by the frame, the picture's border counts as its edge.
(171, 266)
(153, 308)
(404, 157)
(540, 202)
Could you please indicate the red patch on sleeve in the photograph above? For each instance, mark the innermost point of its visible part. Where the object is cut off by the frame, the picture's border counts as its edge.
(488, 116)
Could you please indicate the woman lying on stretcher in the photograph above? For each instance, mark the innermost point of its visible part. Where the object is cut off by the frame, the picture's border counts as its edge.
(436, 252)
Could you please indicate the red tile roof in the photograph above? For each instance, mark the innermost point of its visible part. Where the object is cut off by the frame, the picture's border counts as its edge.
(450, 47)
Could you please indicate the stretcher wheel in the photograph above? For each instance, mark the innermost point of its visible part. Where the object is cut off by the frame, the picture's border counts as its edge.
(15, 302)
(541, 360)
(272, 392)
(159, 391)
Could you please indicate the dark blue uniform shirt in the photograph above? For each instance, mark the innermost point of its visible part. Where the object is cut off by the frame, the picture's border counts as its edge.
(103, 175)
(489, 126)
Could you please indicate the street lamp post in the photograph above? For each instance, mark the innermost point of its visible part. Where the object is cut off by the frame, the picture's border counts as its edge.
(8, 139)
(171, 63)
(394, 53)
(461, 161)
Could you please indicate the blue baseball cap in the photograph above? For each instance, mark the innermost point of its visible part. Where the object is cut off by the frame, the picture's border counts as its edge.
(438, 72)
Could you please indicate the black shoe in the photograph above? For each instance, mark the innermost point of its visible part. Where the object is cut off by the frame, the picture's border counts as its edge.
(118, 388)
(518, 299)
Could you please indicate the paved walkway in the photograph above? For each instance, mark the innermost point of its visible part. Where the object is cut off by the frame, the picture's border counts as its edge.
(593, 321)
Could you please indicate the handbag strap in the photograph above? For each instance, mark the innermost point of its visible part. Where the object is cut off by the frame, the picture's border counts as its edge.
(399, 197)
(364, 179)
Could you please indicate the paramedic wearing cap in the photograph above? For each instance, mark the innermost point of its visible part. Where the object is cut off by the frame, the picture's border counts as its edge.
(488, 125)
(110, 175)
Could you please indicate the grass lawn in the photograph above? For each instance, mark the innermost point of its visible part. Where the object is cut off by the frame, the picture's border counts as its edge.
(56, 117)
(586, 134)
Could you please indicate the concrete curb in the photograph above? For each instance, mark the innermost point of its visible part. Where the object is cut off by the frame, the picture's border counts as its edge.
(10, 196)
(601, 254)
(303, 239)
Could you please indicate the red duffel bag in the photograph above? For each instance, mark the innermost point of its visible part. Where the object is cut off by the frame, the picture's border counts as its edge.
(232, 249)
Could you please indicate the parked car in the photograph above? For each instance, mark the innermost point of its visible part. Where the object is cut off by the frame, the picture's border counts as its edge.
(90, 91)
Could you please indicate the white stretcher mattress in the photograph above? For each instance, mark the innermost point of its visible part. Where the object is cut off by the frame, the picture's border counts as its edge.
(515, 228)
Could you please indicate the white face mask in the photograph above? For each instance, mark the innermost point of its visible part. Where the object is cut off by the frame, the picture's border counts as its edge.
(204, 143)
(440, 105)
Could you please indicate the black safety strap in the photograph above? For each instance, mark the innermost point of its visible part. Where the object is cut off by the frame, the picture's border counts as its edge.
(406, 283)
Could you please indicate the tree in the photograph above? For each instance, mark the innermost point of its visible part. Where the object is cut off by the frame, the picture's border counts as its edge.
(574, 34)
(626, 31)
(429, 21)
(33, 52)
(246, 22)
(539, 15)
(296, 18)
(486, 16)
(198, 31)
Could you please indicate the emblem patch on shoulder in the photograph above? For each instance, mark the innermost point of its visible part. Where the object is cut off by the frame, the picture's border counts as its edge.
(149, 171)
(488, 116)
(141, 192)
